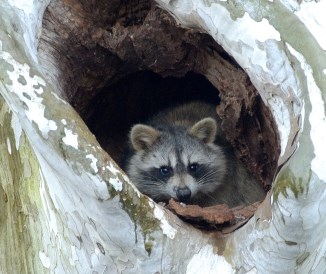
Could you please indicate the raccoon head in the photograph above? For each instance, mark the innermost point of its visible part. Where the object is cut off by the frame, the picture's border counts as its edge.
(176, 161)
(143, 137)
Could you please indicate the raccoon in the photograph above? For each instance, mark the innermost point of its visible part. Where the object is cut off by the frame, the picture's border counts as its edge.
(181, 153)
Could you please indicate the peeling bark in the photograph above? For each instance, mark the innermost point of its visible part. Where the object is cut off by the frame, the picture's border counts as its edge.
(218, 217)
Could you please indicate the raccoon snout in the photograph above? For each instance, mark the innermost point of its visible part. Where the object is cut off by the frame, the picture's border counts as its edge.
(183, 194)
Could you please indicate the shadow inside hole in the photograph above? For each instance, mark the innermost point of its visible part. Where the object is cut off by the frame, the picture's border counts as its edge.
(134, 99)
(137, 97)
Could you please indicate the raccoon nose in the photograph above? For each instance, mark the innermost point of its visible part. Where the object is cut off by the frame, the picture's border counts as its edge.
(183, 194)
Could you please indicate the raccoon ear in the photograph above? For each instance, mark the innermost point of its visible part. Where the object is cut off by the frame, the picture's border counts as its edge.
(205, 130)
(143, 137)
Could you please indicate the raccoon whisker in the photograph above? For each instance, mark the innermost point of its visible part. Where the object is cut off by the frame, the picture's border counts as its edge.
(153, 183)
(155, 194)
(149, 178)
(208, 177)
(212, 197)
(207, 182)
(150, 181)
(154, 180)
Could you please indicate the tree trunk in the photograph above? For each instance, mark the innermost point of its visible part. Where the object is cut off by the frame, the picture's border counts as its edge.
(67, 207)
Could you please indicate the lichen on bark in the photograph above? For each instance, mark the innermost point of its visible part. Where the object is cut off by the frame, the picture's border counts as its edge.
(20, 200)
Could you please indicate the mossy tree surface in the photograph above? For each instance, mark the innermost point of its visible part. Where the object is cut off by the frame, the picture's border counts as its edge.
(67, 208)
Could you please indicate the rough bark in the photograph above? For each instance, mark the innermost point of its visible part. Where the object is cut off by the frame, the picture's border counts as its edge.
(66, 207)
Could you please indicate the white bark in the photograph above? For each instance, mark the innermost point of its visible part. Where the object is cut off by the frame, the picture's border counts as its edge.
(68, 208)
(285, 59)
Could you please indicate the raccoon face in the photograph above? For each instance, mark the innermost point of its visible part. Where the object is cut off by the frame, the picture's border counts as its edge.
(177, 162)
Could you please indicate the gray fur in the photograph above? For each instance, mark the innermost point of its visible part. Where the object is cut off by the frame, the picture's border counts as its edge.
(186, 143)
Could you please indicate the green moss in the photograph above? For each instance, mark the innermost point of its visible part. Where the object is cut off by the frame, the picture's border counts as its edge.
(4, 67)
(148, 247)
(302, 258)
(141, 214)
(235, 8)
(287, 181)
(139, 211)
(19, 200)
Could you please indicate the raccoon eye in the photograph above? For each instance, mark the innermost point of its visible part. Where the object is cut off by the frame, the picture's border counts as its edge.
(193, 167)
(165, 170)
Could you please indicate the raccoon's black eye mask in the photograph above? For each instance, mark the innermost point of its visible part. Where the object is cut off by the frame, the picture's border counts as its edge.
(165, 170)
(193, 167)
